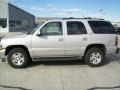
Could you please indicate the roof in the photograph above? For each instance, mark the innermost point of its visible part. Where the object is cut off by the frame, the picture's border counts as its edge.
(77, 19)
(69, 19)
(86, 18)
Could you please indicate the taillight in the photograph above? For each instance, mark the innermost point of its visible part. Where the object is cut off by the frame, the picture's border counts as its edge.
(116, 41)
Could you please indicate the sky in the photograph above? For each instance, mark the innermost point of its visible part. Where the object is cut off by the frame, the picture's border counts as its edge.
(107, 9)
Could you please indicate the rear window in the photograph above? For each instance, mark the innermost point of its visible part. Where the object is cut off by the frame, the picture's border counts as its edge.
(102, 27)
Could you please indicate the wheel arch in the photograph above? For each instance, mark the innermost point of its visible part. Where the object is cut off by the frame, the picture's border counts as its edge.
(100, 46)
(9, 48)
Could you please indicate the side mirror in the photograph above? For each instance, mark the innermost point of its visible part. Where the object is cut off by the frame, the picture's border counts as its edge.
(118, 31)
(39, 34)
(43, 33)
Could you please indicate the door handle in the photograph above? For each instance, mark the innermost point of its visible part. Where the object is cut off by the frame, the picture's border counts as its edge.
(60, 39)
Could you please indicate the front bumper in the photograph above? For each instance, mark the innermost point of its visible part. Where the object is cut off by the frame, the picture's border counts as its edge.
(2, 55)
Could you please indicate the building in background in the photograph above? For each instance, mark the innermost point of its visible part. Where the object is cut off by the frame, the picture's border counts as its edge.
(14, 19)
(116, 24)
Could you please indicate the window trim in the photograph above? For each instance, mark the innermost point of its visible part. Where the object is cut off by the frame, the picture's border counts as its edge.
(79, 22)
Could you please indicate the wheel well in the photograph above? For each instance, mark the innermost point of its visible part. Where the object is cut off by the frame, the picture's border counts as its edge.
(100, 46)
(9, 48)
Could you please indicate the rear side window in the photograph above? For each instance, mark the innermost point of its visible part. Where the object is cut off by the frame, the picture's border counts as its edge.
(102, 27)
(75, 28)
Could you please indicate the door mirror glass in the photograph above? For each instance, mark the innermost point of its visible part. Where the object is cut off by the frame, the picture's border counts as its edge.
(42, 32)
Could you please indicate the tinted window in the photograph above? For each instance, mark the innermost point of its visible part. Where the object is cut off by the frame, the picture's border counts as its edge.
(75, 27)
(102, 27)
(52, 28)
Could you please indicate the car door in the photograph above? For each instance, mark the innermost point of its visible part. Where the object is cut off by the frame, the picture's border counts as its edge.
(50, 43)
(75, 39)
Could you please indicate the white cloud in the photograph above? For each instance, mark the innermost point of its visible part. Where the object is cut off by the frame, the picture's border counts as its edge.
(68, 12)
(38, 8)
(51, 5)
(48, 7)
(72, 10)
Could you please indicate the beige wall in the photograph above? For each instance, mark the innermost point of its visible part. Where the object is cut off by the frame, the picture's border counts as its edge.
(3, 8)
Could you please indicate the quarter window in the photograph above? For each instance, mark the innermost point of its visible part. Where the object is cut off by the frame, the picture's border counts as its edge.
(75, 27)
(102, 27)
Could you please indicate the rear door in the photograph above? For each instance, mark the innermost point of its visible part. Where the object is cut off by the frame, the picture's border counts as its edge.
(76, 37)
(103, 33)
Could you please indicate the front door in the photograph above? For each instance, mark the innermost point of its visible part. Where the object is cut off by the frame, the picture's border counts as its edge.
(50, 43)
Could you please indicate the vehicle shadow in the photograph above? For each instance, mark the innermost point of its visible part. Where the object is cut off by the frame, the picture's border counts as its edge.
(56, 63)
(13, 87)
(114, 58)
(60, 63)
(99, 88)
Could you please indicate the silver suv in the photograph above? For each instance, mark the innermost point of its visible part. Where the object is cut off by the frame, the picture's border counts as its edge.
(89, 39)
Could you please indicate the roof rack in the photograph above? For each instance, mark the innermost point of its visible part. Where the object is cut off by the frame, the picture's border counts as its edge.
(83, 18)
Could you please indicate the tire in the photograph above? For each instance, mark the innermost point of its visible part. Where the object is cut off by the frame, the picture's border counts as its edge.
(17, 58)
(94, 57)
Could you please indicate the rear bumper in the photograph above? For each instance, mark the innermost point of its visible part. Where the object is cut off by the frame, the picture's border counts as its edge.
(2, 55)
(111, 50)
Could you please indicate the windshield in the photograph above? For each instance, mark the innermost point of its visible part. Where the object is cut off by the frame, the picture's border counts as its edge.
(33, 30)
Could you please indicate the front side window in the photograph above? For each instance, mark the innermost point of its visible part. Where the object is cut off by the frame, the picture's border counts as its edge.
(102, 27)
(52, 28)
(75, 28)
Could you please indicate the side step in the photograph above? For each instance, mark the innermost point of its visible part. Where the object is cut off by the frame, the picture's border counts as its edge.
(57, 59)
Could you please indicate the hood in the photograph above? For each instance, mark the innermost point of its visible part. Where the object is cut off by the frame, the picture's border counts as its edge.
(13, 35)
(21, 39)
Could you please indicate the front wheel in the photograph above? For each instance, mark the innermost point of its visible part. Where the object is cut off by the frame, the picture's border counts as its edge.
(17, 58)
(94, 57)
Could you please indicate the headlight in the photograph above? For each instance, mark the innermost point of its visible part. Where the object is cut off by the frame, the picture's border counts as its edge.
(1, 38)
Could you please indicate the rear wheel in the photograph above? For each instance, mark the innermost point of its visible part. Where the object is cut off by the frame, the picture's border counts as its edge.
(17, 58)
(94, 57)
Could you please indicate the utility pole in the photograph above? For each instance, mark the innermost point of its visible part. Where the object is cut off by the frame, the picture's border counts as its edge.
(101, 13)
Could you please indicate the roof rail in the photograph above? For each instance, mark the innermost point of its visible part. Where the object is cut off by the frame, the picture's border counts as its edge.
(83, 18)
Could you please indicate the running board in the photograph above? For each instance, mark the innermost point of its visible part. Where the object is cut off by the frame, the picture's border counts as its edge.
(56, 58)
